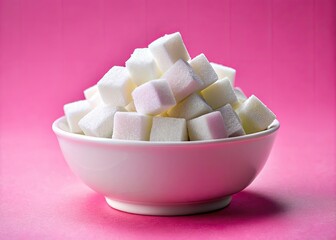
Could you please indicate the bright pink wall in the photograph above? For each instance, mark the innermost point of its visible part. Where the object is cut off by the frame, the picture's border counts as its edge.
(284, 51)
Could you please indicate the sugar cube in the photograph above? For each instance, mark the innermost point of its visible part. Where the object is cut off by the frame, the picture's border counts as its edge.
(99, 121)
(203, 69)
(254, 115)
(169, 129)
(224, 71)
(74, 112)
(95, 100)
(89, 92)
(182, 79)
(191, 107)
(116, 86)
(153, 97)
(142, 66)
(241, 97)
(206, 127)
(131, 126)
(219, 94)
(231, 121)
(168, 49)
(240, 94)
(92, 95)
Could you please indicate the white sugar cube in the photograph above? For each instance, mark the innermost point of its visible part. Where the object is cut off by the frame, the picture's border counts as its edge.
(191, 107)
(231, 121)
(168, 49)
(203, 69)
(219, 94)
(142, 66)
(89, 92)
(169, 129)
(116, 86)
(240, 94)
(153, 97)
(241, 97)
(182, 80)
(131, 126)
(206, 127)
(92, 95)
(254, 115)
(74, 112)
(95, 100)
(99, 121)
(224, 71)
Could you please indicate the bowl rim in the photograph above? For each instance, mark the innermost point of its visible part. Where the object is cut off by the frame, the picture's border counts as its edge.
(80, 137)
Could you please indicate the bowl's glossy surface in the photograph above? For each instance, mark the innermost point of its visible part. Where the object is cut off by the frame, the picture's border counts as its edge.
(160, 178)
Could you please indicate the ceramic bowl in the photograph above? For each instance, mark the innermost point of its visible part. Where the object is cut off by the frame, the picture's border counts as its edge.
(166, 178)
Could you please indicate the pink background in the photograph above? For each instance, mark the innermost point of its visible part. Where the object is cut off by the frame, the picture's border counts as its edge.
(284, 52)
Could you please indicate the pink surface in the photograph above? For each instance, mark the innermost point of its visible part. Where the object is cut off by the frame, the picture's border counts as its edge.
(284, 52)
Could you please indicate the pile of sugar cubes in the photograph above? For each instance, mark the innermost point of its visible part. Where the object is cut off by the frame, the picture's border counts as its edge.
(163, 95)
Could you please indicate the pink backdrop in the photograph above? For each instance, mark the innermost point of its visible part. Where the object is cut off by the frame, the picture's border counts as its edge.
(284, 52)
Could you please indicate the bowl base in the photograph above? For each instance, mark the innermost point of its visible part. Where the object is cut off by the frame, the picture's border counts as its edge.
(170, 210)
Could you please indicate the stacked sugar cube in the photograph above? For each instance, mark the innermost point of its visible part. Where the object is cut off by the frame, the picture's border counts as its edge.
(163, 95)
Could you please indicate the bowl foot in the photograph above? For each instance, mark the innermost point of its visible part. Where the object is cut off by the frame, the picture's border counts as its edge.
(170, 210)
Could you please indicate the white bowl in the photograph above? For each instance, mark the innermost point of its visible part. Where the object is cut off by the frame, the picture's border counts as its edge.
(166, 178)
